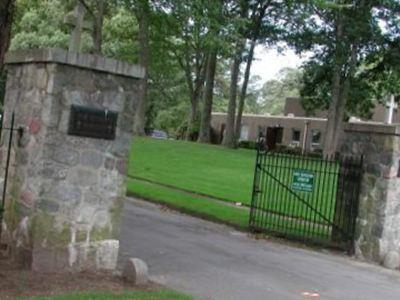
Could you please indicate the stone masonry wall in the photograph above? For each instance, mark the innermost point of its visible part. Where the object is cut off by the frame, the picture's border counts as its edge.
(378, 224)
(64, 197)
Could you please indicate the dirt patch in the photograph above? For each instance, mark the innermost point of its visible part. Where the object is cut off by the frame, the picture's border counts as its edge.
(15, 282)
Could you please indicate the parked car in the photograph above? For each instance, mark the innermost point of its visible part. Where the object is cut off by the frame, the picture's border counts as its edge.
(158, 134)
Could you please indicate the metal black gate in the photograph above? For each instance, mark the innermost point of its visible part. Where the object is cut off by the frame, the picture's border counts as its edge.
(306, 198)
(6, 132)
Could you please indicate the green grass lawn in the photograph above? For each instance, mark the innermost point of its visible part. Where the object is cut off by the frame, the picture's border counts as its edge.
(202, 207)
(206, 169)
(151, 295)
(160, 169)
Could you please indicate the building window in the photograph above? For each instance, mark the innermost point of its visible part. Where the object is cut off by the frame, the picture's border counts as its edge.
(244, 133)
(315, 137)
(262, 131)
(296, 137)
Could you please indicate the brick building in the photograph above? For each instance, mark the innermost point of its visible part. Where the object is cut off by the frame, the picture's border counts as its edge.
(295, 128)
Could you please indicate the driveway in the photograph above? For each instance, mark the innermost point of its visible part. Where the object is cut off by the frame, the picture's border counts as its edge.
(211, 261)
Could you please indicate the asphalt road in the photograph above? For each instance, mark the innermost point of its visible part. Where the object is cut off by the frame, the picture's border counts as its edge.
(211, 261)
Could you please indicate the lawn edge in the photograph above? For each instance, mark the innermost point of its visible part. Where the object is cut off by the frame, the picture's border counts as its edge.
(194, 193)
(189, 212)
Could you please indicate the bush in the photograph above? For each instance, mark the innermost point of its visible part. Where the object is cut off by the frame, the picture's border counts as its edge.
(317, 153)
(248, 144)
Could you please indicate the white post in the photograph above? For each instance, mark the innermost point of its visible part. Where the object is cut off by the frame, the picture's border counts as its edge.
(391, 106)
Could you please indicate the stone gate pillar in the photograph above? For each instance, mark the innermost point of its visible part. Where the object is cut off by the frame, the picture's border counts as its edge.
(378, 223)
(66, 178)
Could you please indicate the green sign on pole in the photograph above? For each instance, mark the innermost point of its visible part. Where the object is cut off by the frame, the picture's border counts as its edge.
(303, 180)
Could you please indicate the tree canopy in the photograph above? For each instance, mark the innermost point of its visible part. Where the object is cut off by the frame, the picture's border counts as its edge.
(199, 53)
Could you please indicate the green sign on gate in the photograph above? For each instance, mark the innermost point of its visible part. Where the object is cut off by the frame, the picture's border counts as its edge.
(303, 180)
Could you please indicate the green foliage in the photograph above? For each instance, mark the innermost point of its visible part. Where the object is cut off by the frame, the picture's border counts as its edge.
(369, 28)
(274, 92)
(40, 25)
(119, 32)
(172, 119)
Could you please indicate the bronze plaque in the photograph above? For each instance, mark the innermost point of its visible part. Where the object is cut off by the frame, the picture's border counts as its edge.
(92, 122)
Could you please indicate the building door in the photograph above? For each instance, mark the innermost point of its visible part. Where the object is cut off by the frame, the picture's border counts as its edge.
(271, 138)
(274, 136)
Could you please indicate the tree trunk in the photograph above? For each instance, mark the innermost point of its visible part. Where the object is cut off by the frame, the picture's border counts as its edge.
(238, 123)
(336, 107)
(254, 36)
(142, 16)
(97, 34)
(195, 94)
(6, 18)
(229, 137)
(191, 119)
(205, 126)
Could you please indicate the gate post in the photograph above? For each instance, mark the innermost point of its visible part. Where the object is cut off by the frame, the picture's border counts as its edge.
(66, 185)
(377, 236)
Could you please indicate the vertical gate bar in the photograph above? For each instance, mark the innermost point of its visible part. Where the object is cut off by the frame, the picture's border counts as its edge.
(1, 123)
(327, 193)
(308, 211)
(271, 196)
(347, 197)
(325, 167)
(356, 204)
(319, 165)
(255, 192)
(340, 198)
(258, 212)
(274, 195)
(270, 167)
(286, 199)
(349, 201)
(308, 197)
(3, 200)
(300, 206)
(309, 224)
(304, 210)
(292, 200)
(317, 179)
(345, 179)
(281, 195)
(261, 198)
(265, 188)
(335, 191)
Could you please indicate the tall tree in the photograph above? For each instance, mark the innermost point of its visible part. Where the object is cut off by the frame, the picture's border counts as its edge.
(142, 12)
(6, 20)
(341, 34)
(215, 10)
(229, 139)
(254, 34)
(205, 125)
(187, 25)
